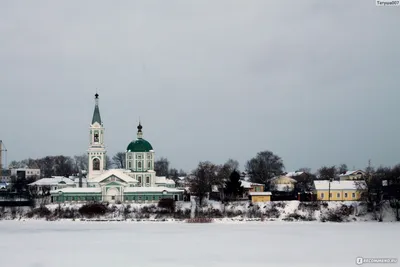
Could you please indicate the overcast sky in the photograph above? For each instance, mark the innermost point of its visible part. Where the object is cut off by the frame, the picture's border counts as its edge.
(315, 82)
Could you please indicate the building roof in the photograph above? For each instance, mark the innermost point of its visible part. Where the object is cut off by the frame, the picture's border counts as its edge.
(96, 112)
(114, 172)
(139, 145)
(53, 181)
(352, 172)
(340, 185)
(164, 180)
(247, 184)
(152, 189)
(293, 174)
(260, 193)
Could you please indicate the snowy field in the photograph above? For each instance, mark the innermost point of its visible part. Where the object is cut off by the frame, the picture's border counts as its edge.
(115, 244)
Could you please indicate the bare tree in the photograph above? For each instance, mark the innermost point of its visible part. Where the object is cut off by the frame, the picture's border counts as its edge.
(81, 162)
(63, 166)
(233, 165)
(326, 173)
(108, 163)
(264, 167)
(202, 180)
(161, 166)
(119, 160)
(305, 169)
(174, 175)
(342, 169)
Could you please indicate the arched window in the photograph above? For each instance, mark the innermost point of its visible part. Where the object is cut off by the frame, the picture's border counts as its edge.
(139, 164)
(147, 179)
(149, 165)
(140, 179)
(96, 164)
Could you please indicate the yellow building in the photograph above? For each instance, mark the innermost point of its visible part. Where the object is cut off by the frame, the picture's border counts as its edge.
(260, 196)
(339, 190)
(283, 183)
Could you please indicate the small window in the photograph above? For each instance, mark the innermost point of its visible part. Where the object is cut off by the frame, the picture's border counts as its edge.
(322, 195)
(154, 197)
(148, 180)
(140, 179)
(338, 195)
(112, 197)
(353, 195)
(148, 165)
(139, 164)
(345, 195)
(129, 165)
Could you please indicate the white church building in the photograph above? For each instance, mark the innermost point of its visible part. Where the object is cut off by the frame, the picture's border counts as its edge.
(136, 183)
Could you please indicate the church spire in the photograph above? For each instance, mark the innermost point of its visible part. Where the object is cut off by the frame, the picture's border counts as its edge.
(96, 113)
(139, 132)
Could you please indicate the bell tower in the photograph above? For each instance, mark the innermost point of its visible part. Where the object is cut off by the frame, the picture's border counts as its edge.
(97, 150)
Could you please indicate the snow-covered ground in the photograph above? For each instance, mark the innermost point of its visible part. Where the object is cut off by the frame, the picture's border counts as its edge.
(114, 244)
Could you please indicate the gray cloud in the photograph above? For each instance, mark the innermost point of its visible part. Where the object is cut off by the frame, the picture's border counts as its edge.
(314, 82)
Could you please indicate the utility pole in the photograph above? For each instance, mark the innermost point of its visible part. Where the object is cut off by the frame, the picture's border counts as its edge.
(329, 190)
(2, 148)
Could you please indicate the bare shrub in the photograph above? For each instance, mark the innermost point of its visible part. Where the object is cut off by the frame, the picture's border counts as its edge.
(309, 206)
(254, 212)
(167, 203)
(40, 212)
(200, 220)
(93, 209)
(281, 205)
(182, 214)
(233, 213)
(272, 212)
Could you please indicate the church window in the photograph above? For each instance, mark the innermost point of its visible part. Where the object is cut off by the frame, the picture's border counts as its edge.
(96, 137)
(139, 164)
(96, 164)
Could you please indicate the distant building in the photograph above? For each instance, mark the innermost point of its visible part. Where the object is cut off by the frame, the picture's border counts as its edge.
(352, 175)
(25, 173)
(339, 190)
(53, 183)
(5, 176)
(136, 183)
(249, 187)
(260, 196)
(282, 183)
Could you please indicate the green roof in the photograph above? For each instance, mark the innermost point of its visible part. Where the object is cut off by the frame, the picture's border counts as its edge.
(96, 115)
(139, 145)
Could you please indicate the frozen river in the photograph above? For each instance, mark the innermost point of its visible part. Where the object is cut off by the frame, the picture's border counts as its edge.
(126, 244)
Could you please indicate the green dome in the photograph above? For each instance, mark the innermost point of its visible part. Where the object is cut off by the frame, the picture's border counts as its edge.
(139, 145)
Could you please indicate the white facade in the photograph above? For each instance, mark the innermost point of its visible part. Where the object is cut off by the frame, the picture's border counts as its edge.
(25, 172)
(97, 150)
(137, 182)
